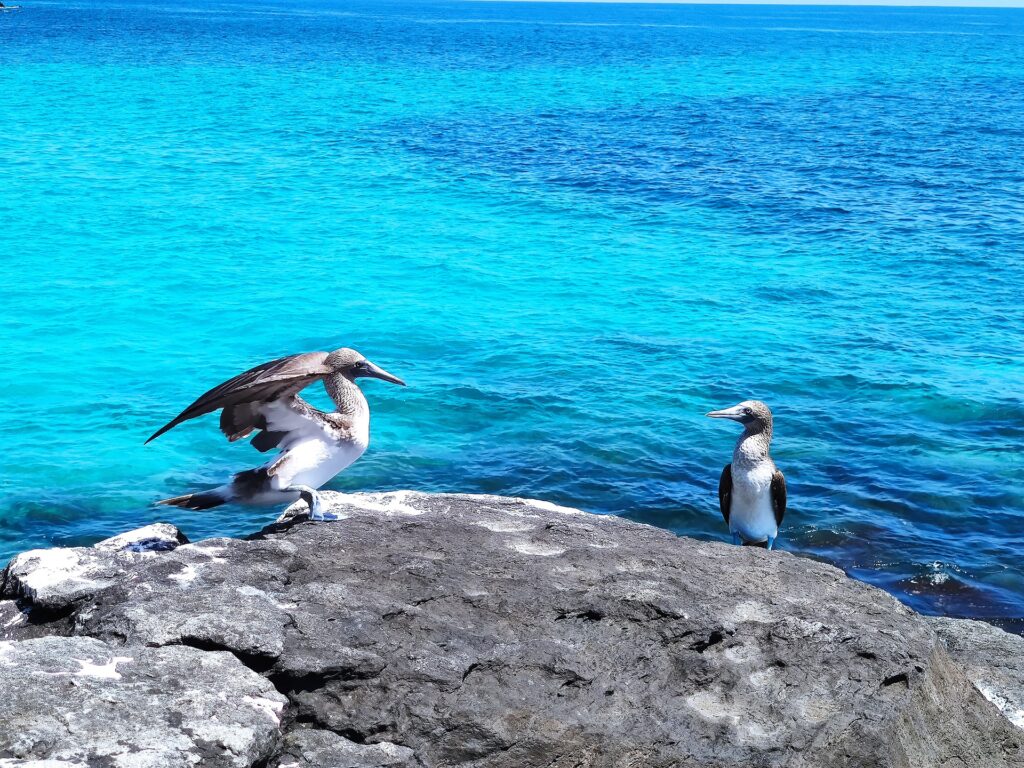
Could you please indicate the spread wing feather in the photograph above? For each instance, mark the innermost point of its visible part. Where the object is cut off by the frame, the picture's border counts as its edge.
(267, 439)
(240, 396)
(725, 492)
(779, 496)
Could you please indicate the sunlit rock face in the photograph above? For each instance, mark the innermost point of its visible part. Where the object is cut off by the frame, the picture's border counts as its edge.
(449, 630)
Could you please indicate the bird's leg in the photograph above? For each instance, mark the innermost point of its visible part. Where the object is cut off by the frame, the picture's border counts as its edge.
(771, 542)
(312, 499)
(736, 538)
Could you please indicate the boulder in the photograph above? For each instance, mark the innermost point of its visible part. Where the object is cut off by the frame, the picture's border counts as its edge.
(470, 631)
(53, 580)
(158, 537)
(80, 701)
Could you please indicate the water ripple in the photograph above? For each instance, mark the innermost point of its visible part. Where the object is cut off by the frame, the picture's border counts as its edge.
(573, 229)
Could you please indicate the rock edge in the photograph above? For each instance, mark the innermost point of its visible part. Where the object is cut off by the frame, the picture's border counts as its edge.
(449, 630)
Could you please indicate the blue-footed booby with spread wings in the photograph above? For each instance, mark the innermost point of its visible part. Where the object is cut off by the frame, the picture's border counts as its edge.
(751, 490)
(314, 445)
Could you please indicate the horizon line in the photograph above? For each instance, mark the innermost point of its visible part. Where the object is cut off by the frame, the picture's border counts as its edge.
(1014, 5)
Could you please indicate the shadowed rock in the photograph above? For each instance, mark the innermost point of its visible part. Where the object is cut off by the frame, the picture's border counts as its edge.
(481, 631)
(306, 748)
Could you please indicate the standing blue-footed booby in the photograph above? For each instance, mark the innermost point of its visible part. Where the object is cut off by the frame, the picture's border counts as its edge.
(314, 445)
(751, 490)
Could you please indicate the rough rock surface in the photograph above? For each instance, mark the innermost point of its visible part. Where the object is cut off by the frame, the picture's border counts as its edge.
(53, 580)
(993, 660)
(69, 698)
(481, 631)
(305, 748)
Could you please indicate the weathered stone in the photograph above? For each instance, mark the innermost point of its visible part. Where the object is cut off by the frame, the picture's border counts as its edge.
(10, 616)
(158, 537)
(306, 748)
(481, 631)
(54, 580)
(213, 594)
(84, 702)
(993, 660)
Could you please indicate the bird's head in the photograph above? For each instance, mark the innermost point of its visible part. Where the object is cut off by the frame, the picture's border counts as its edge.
(353, 365)
(752, 414)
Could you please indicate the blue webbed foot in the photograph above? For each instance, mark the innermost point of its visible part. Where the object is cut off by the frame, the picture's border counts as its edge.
(736, 539)
(325, 517)
(771, 542)
(312, 499)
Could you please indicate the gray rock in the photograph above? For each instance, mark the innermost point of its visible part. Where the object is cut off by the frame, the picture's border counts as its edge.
(54, 580)
(158, 537)
(80, 701)
(305, 748)
(481, 631)
(219, 593)
(993, 660)
(11, 616)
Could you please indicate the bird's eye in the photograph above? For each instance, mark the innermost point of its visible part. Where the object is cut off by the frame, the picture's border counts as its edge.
(748, 412)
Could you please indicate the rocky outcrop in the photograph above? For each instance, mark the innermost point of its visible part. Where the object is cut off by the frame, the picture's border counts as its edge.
(475, 631)
(992, 659)
(53, 580)
(80, 699)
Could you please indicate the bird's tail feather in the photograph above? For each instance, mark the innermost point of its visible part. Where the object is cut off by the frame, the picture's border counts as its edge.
(199, 500)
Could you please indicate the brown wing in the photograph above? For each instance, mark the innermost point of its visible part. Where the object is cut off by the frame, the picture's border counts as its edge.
(779, 496)
(725, 492)
(278, 378)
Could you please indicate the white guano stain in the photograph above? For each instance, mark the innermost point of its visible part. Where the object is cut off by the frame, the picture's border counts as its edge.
(539, 550)
(39, 569)
(1012, 712)
(250, 591)
(764, 678)
(106, 671)
(711, 706)
(742, 654)
(272, 709)
(394, 503)
(211, 551)
(185, 576)
(501, 526)
(7, 652)
(751, 611)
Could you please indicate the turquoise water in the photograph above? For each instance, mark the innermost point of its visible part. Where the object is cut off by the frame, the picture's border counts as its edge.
(573, 229)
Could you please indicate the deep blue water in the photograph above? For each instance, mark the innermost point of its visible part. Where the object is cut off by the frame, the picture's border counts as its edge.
(573, 229)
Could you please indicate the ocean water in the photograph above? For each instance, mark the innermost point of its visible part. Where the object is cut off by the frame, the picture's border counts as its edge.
(572, 228)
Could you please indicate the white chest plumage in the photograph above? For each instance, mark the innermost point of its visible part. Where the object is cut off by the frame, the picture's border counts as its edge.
(751, 512)
(316, 454)
(314, 462)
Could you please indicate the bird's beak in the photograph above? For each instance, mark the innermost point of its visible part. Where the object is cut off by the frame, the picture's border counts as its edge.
(377, 372)
(735, 413)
